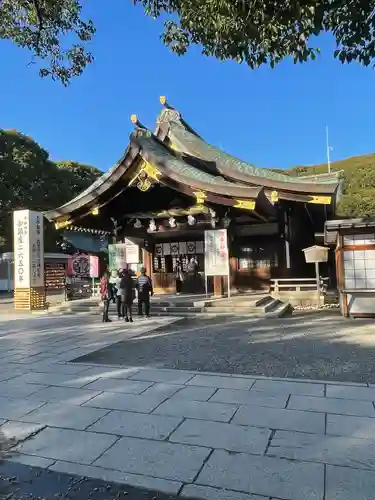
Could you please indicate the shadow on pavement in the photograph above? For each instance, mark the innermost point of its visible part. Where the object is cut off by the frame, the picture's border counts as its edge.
(21, 482)
(321, 346)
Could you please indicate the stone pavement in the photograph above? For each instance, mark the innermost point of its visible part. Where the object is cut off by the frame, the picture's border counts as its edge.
(187, 433)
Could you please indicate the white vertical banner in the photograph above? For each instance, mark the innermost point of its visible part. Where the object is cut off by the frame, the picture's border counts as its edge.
(36, 243)
(28, 249)
(216, 255)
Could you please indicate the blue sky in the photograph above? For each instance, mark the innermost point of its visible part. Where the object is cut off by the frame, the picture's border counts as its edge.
(271, 118)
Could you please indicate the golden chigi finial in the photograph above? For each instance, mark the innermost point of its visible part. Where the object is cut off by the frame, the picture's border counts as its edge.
(134, 119)
(163, 100)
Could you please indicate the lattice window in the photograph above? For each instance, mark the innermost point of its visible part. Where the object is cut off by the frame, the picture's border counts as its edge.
(359, 269)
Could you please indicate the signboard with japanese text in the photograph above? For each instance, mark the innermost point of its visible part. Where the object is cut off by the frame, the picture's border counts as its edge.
(117, 256)
(131, 252)
(37, 249)
(28, 249)
(94, 266)
(79, 265)
(216, 256)
(122, 254)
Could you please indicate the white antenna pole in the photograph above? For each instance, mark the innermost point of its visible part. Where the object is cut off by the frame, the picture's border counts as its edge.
(328, 150)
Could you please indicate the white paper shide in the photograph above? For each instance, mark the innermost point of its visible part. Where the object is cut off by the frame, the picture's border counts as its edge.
(28, 249)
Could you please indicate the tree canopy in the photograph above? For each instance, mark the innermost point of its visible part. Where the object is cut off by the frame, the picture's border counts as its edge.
(254, 32)
(29, 179)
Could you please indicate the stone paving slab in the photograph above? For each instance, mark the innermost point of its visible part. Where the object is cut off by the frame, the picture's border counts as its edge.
(114, 476)
(32, 461)
(13, 409)
(332, 405)
(61, 415)
(126, 402)
(117, 385)
(277, 418)
(125, 423)
(20, 431)
(55, 379)
(206, 493)
(222, 382)
(218, 435)
(217, 412)
(358, 454)
(74, 446)
(65, 395)
(343, 483)
(195, 393)
(343, 425)
(154, 458)
(253, 398)
(92, 373)
(162, 390)
(169, 376)
(17, 389)
(277, 387)
(357, 393)
(262, 475)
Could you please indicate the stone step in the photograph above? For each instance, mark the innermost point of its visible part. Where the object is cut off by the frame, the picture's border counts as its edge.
(251, 305)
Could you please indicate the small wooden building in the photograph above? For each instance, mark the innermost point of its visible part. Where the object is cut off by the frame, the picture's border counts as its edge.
(171, 185)
(354, 240)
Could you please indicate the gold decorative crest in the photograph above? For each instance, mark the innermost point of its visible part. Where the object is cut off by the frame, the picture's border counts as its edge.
(245, 204)
(200, 197)
(274, 196)
(321, 200)
(63, 222)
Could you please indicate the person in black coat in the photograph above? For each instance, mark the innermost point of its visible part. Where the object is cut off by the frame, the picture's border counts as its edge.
(127, 290)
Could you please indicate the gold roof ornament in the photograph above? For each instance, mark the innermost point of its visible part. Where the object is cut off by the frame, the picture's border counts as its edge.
(200, 197)
(274, 197)
(245, 204)
(163, 100)
(321, 200)
(134, 119)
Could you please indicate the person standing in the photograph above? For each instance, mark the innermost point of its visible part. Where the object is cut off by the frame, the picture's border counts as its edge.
(144, 287)
(106, 293)
(127, 295)
(179, 277)
(119, 294)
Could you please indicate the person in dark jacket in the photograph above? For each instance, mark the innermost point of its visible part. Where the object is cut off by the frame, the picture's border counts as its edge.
(127, 295)
(144, 287)
(106, 293)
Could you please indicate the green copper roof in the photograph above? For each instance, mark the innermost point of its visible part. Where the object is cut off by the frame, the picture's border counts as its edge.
(183, 136)
(153, 150)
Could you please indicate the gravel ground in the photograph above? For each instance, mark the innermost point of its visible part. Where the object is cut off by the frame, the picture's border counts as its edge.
(20, 482)
(311, 345)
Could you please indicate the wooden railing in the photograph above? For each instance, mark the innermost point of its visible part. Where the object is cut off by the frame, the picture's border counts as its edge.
(298, 285)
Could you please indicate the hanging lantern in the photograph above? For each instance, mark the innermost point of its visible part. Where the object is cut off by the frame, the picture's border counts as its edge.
(172, 222)
(137, 224)
(191, 220)
(152, 225)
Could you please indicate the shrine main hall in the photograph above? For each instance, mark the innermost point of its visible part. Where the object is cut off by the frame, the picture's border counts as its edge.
(170, 186)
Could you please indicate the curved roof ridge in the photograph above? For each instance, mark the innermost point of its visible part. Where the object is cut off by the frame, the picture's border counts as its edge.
(151, 145)
(180, 131)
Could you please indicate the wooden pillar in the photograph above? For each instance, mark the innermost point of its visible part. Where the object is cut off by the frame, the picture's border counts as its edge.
(218, 286)
(340, 275)
(233, 271)
(147, 260)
